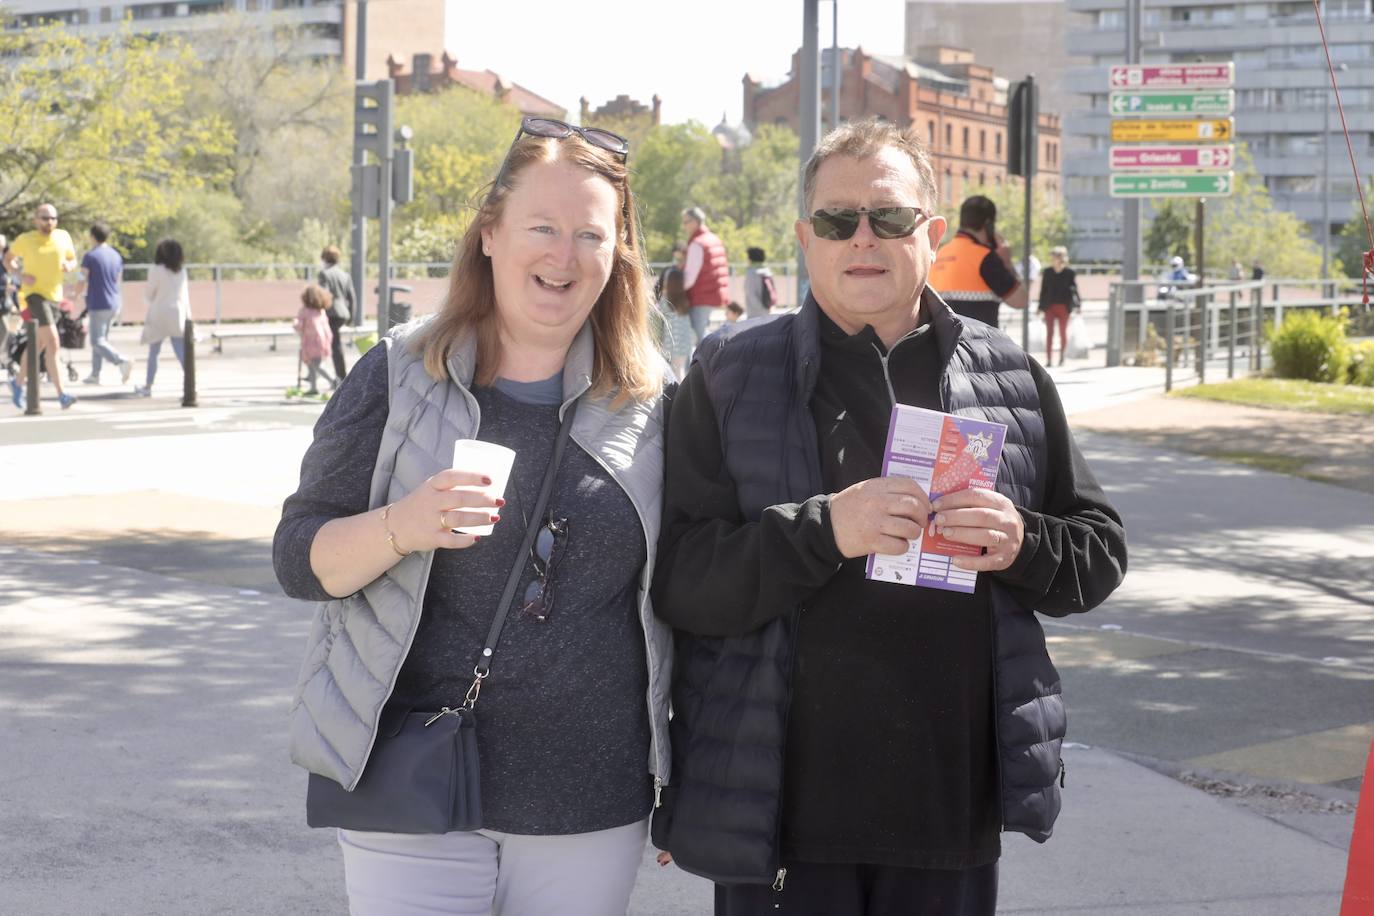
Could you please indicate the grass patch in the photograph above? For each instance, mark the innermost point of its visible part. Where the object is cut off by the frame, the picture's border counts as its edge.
(1287, 394)
(1279, 464)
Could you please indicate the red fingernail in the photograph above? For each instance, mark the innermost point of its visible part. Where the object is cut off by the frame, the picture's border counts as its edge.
(496, 518)
(476, 538)
(500, 502)
(486, 481)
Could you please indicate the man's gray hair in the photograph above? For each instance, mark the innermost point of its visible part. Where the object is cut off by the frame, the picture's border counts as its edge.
(695, 213)
(864, 138)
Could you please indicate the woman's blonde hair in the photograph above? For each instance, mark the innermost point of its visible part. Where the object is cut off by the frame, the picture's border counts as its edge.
(626, 361)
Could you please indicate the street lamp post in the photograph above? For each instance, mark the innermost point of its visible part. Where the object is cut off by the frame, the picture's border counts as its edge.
(835, 68)
(1326, 179)
(810, 132)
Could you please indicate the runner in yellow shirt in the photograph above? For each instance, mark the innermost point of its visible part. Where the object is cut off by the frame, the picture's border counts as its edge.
(46, 253)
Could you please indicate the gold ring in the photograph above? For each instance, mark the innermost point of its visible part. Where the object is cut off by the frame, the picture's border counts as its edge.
(442, 516)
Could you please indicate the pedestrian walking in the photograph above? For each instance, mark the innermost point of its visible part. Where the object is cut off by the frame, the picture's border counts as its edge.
(844, 745)
(544, 336)
(678, 337)
(102, 269)
(339, 285)
(973, 271)
(1058, 299)
(706, 272)
(1236, 272)
(760, 290)
(42, 256)
(168, 297)
(312, 324)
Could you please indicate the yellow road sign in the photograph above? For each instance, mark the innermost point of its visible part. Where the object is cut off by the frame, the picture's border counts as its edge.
(1173, 131)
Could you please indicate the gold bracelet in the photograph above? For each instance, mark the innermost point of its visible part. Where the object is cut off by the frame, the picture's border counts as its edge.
(391, 538)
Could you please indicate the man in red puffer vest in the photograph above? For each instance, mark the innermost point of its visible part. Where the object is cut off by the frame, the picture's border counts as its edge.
(707, 272)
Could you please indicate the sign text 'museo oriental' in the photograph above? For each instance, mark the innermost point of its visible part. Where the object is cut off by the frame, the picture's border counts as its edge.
(1155, 158)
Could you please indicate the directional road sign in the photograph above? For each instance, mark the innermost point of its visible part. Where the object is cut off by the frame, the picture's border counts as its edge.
(1208, 102)
(1181, 76)
(1132, 185)
(1156, 131)
(1157, 158)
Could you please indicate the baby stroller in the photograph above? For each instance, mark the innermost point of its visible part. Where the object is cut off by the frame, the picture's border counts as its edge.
(71, 335)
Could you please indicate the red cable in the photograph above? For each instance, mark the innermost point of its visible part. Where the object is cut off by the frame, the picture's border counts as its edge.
(1359, 188)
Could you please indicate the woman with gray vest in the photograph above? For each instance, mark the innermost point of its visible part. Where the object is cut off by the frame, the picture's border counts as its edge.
(543, 334)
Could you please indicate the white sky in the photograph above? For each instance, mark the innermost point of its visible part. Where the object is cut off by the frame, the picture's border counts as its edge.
(693, 53)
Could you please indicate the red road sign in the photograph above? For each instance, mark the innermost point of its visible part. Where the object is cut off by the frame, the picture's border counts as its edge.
(1182, 76)
(1154, 158)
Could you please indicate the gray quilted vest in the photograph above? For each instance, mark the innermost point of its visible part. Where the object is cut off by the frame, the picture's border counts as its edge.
(357, 644)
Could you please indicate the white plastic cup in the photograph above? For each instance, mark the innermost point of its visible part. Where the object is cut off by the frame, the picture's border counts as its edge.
(487, 458)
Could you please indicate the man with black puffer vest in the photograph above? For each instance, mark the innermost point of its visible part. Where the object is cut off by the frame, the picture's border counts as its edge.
(844, 746)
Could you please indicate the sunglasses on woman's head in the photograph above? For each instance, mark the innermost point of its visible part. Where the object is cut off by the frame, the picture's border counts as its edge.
(836, 224)
(558, 130)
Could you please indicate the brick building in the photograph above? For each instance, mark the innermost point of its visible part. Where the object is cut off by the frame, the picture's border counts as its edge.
(623, 108)
(425, 74)
(958, 106)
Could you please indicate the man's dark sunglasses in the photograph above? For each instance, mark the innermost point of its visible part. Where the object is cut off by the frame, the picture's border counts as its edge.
(538, 601)
(837, 224)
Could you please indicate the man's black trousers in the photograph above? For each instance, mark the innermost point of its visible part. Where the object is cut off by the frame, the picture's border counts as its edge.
(866, 890)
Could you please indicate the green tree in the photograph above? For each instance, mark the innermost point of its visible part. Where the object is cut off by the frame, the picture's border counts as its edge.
(1170, 232)
(290, 120)
(1246, 227)
(1354, 240)
(101, 128)
(754, 202)
(669, 172)
(460, 139)
(1049, 219)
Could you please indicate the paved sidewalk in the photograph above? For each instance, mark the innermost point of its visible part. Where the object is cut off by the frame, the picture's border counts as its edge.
(145, 772)
(146, 660)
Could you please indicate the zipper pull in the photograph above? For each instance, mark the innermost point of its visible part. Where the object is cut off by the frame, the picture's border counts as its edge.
(1063, 771)
(658, 792)
(780, 880)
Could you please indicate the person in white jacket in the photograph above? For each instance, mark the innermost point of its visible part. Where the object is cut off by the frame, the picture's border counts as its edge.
(169, 305)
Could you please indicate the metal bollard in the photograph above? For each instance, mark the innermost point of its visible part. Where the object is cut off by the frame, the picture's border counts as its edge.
(1231, 340)
(1169, 347)
(188, 368)
(31, 406)
(1202, 327)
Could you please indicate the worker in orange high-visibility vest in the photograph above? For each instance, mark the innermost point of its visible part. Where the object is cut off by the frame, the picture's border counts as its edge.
(973, 271)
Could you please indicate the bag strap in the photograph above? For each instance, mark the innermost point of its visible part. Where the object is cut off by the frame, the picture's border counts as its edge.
(536, 521)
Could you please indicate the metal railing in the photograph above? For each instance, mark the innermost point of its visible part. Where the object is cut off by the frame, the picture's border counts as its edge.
(1187, 328)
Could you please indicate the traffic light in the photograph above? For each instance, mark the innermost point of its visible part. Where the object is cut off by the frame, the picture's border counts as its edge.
(1022, 111)
(372, 116)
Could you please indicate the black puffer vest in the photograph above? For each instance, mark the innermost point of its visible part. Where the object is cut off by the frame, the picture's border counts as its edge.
(721, 816)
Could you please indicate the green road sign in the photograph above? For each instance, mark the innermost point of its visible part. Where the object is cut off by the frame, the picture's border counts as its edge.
(1172, 185)
(1180, 102)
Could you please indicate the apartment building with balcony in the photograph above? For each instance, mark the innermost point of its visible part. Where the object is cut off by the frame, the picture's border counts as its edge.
(1285, 112)
(326, 27)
